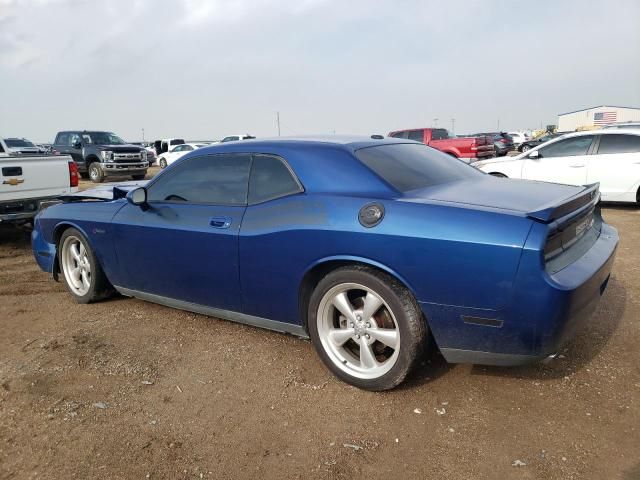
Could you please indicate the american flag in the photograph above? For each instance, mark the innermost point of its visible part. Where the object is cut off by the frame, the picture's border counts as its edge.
(603, 118)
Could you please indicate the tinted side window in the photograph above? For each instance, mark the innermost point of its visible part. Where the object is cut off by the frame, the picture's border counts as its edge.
(403, 134)
(213, 179)
(619, 144)
(270, 178)
(569, 147)
(73, 139)
(416, 135)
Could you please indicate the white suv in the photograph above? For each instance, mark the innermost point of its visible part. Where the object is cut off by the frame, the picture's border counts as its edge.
(611, 157)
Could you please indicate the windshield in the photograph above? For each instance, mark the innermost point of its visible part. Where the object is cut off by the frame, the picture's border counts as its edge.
(411, 166)
(18, 143)
(102, 138)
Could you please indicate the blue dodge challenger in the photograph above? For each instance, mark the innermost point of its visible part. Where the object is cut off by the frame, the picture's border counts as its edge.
(368, 246)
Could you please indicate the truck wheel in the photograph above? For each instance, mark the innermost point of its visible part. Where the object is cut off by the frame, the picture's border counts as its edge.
(139, 177)
(95, 173)
(366, 327)
(82, 273)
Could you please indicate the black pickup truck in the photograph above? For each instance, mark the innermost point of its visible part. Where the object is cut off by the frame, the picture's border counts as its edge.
(101, 154)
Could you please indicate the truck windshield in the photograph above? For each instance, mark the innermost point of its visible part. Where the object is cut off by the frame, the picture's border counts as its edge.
(18, 143)
(411, 166)
(102, 138)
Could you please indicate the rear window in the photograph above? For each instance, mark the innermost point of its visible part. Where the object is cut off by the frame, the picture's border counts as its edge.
(176, 141)
(439, 134)
(18, 143)
(410, 166)
(619, 144)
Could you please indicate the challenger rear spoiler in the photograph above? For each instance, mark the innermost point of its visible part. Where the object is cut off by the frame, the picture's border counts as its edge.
(552, 211)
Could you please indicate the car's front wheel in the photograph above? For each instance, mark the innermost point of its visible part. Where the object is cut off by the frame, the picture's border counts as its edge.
(525, 148)
(81, 271)
(367, 328)
(95, 173)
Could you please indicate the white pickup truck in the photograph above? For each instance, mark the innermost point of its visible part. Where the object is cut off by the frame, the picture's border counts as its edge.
(29, 181)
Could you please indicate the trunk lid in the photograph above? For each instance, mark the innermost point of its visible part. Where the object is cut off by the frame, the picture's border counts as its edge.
(541, 201)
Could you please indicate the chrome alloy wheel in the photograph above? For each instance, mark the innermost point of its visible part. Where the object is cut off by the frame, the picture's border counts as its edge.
(358, 331)
(76, 265)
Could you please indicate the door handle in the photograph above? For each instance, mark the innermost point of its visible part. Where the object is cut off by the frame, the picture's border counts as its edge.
(220, 222)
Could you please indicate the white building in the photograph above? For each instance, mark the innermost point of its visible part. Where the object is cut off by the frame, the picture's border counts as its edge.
(596, 116)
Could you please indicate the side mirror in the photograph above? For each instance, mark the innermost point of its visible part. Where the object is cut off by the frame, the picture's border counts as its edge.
(534, 155)
(137, 196)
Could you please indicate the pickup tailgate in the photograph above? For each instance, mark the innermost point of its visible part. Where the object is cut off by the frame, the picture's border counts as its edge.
(39, 176)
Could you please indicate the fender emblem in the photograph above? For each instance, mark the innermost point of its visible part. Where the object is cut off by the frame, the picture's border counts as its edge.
(13, 181)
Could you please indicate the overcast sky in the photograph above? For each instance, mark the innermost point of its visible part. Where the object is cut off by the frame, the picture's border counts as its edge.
(202, 69)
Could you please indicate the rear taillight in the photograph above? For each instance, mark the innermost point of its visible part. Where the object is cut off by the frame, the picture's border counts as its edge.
(503, 140)
(73, 174)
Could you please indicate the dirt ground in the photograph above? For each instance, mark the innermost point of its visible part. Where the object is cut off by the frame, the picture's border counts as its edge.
(125, 389)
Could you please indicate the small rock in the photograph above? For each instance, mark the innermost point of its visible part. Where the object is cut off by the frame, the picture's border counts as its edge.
(441, 411)
(397, 440)
(147, 382)
(518, 463)
(153, 422)
(451, 430)
(332, 444)
(101, 405)
(417, 410)
(564, 459)
(444, 403)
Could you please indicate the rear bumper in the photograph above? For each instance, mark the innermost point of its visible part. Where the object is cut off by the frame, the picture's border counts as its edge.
(18, 210)
(545, 311)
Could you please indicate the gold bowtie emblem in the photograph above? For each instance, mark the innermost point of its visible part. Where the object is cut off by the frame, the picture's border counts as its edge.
(13, 181)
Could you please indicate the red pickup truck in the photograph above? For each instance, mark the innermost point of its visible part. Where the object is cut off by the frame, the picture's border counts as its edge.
(469, 149)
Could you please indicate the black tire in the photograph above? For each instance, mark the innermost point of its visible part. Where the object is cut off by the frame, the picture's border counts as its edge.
(99, 288)
(524, 148)
(139, 177)
(410, 322)
(84, 175)
(96, 173)
(162, 162)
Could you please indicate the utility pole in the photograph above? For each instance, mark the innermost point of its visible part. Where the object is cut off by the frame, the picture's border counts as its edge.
(435, 122)
(498, 123)
(453, 126)
(143, 135)
(278, 121)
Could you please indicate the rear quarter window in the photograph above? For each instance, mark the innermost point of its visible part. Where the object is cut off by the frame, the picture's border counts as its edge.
(619, 143)
(409, 166)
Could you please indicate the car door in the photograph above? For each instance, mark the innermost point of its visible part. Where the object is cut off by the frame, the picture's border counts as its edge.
(183, 244)
(564, 161)
(275, 211)
(616, 165)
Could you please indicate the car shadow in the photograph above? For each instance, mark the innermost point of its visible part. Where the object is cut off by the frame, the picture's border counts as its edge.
(589, 341)
(432, 365)
(15, 236)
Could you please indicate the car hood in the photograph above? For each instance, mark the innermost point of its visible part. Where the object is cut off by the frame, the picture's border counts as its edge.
(518, 196)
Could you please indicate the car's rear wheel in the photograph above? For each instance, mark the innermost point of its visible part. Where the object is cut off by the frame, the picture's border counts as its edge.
(366, 327)
(81, 271)
(95, 173)
(163, 162)
(525, 148)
